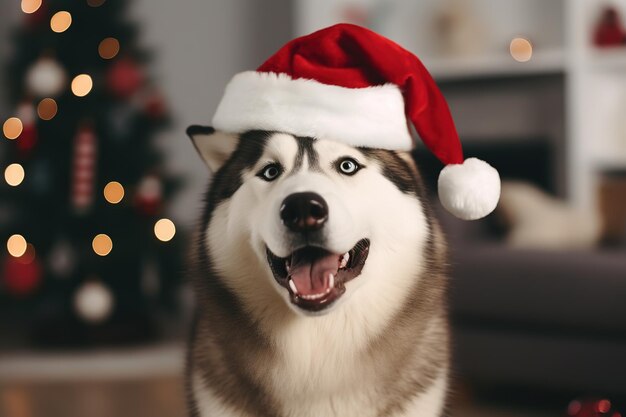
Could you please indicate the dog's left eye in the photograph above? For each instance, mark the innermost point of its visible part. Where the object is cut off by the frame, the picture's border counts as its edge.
(270, 172)
(348, 166)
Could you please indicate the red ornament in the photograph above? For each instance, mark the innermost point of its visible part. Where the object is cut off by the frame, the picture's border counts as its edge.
(155, 106)
(27, 140)
(609, 30)
(84, 168)
(149, 196)
(124, 78)
(22, 276)
(592, 408)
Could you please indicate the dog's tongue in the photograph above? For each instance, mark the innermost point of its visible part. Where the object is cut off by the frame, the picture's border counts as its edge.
(311, 269)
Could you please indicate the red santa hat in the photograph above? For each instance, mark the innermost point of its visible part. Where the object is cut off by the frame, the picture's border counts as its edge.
(349, 84)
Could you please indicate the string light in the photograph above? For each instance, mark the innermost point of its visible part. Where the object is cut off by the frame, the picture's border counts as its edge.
(102, 244)
(108, 48)
(47, 108)
(14, 175)
(12, 128)
(164, 230)
(16, 245)
(81, 85)
(61, 21)
(30, 6)
(521, 49)
(114, 192)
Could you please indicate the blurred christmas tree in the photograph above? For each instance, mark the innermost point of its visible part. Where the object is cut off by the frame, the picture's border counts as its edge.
(89, 258)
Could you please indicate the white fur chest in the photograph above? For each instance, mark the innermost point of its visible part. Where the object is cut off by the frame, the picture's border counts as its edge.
(344, 403)
(321, 366)
(324, 368)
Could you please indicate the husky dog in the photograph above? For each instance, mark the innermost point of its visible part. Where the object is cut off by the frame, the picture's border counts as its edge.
(320, 277)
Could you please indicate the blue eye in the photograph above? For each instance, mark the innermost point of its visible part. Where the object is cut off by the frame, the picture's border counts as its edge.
(348, 166)
(270, 172)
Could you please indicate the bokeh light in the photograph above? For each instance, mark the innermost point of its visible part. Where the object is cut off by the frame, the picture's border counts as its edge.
(47, 109)
(12, 128)
(574, 407)
(164, 230)
(81, 85)
(521, 49)
(60, 21)
(30, 6)
(108, 48)
(102, 244)
(14, 175)
(16, 245)
(603, 406)
(114, 192)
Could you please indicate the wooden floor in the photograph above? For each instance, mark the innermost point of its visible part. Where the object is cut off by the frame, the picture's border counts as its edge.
(157, 397)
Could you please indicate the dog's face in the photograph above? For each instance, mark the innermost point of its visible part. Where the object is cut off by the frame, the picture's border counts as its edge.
(309, 220)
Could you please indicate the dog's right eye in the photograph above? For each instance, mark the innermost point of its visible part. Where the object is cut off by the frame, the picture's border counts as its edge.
(270, 172)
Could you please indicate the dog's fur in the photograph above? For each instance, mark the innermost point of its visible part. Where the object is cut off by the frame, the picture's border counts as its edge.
(380, 350)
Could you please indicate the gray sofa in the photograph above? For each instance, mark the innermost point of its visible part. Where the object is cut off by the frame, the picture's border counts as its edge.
(530, 318)
(538, 319)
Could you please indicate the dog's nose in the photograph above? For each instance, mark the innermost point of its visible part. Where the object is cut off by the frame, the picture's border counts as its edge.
(303, 212)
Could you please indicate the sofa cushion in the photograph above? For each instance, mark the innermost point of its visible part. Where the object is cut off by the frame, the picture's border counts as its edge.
(575, 290)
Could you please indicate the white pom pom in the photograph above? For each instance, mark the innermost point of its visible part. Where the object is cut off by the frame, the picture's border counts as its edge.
(470, 190)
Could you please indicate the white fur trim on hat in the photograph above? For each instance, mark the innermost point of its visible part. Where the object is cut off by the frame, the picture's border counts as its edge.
(370, 117)
(470, 190)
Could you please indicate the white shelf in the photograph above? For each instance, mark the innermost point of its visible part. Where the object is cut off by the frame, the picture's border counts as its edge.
(608, 59)
(542, 62)
(561, 31)
(152, 361)
(609, 162)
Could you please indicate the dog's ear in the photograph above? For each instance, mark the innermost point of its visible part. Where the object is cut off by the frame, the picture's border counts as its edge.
(214, 146)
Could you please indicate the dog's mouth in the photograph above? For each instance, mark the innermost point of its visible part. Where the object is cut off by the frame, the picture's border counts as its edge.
(315, 277)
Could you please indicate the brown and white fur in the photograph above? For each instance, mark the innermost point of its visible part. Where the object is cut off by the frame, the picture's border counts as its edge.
(381, 349)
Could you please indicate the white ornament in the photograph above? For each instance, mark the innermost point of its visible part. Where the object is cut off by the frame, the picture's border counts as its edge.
(62, 259)
(470, 190)
(150, 188)
(93, 302)
(46, 78)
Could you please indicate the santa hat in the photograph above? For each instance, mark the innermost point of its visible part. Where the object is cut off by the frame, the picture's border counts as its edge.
(349, 84)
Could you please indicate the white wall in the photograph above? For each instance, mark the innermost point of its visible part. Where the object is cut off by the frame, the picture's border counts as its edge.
(199, 46)
(412, 23)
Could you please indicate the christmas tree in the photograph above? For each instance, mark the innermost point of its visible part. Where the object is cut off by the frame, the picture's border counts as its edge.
(90, 257)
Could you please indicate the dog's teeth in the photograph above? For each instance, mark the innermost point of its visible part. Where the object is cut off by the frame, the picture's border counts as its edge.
(312, 296)
(293, 287)
(331, 283)
(344, 260)
(287, 266)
